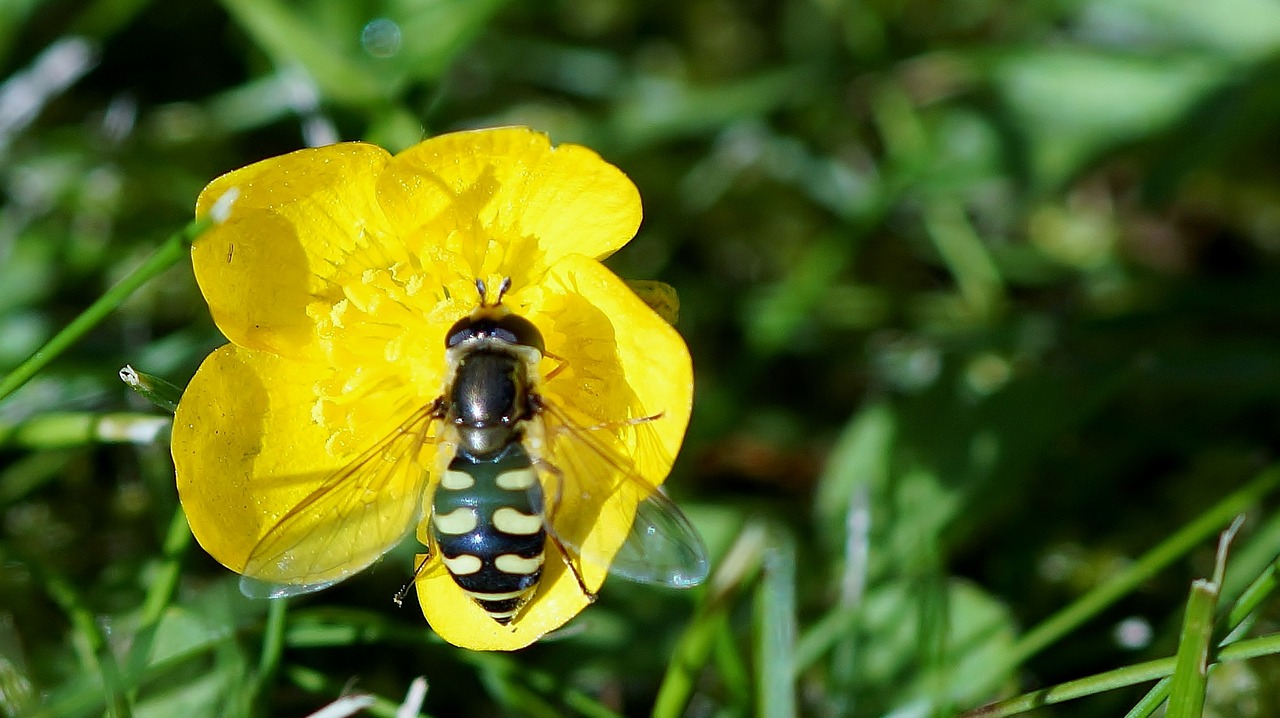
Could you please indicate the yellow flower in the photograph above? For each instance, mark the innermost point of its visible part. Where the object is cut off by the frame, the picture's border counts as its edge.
(302, 448)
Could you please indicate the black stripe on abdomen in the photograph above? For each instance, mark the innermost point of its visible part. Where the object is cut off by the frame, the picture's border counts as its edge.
(487, 523)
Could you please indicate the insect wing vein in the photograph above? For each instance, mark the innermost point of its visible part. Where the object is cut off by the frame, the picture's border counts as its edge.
(661, 547)
(356, 514)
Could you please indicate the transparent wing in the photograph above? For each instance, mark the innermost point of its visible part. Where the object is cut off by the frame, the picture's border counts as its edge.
(591, 481)
(662, 547)
(357, 514)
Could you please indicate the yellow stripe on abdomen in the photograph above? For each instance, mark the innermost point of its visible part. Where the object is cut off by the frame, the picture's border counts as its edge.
(519, 565)
(510, 521)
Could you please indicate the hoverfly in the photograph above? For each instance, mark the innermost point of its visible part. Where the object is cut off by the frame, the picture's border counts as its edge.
(509, 463)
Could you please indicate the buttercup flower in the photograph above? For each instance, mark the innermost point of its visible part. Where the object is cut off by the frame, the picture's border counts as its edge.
(305, 447)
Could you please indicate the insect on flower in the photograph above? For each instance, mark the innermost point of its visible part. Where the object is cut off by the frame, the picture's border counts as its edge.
(429, 341)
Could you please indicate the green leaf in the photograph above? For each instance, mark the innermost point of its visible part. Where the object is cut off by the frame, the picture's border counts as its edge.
(1242, 30)
(1073, 104)
(430, 35)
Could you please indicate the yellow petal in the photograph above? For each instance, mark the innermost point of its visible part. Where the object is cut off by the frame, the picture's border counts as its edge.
(458, 619)
(293, 222)
(504, 203)
(250, 443)
(622, 362)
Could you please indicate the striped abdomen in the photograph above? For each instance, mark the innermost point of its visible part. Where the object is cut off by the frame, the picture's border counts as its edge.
(488, 524)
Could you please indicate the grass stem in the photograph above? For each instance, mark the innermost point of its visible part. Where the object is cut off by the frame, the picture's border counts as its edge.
(167, 255)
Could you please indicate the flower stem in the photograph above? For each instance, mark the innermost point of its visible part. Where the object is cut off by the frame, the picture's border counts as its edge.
(167, 255)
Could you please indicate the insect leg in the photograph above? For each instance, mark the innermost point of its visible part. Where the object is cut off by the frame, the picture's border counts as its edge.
(398, 599)
(560, 366)
(625, 422)
(564, 555)
(552, 506)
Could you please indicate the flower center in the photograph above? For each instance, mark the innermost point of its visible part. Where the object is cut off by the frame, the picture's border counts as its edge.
(381, 332)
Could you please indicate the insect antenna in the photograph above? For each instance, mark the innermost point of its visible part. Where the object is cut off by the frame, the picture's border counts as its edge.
(503, 288)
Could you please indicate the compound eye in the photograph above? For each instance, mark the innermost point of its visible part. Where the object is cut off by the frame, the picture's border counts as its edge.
(462, 330)
(516, 329)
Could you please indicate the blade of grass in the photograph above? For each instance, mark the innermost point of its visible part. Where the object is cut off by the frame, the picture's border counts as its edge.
(1250, 598)
(18, 692)
(160, 592)
(70, 429)
(167, 255)
(824, 633)
(520, 682)
(1251, 557)
(736, 571)
(413, 699)
(164, 583)
(934, 611)
(1119, 678)
(335, 628)
(1233, 625)
(345, 706)
(506, 687)
(273, 638)
(775, 634)
(966, 257)
(859, 462)
(97, 655)
(272, 648)
(587, 706)
(328, 627)
(732, 668)
(1191, 672)
(289, 37)
(1052, 629)
(1152, 701)
(28, 473)
(152, 388)
(86, 695)
(1191, 668)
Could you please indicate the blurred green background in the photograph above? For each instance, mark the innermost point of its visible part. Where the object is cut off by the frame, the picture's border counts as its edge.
(982, 296)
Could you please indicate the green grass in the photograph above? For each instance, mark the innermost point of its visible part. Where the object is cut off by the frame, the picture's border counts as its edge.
(981, 298)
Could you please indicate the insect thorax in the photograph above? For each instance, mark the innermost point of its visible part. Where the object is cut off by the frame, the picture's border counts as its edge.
(488, 399)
